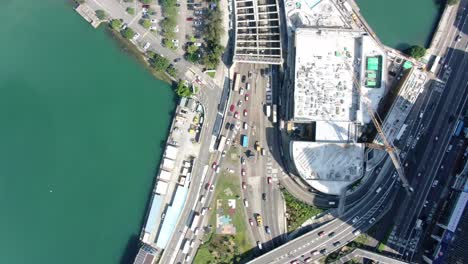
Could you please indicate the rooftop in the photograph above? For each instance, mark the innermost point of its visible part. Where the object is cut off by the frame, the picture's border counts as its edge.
(328, 167)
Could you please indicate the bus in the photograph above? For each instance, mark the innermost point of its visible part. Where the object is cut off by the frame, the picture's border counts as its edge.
(186, 247)
(459, 128)
(222, 143)
(402, 130)
(274, 114)
(268, 110)
(195, 220)
(235, 86)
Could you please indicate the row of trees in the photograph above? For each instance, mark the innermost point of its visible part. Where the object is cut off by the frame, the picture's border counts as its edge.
(213, 32)
(161, 64)
(168, 25)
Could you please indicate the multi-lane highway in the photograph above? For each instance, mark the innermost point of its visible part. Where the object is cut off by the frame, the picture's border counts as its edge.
(430, 163)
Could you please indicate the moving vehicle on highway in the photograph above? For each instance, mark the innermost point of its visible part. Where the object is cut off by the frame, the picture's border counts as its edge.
(195, 220)
(245, 141)
(222, 143)
(259, 220)
(267, 230)
(259, 245)
(321, 234)
(269, 180)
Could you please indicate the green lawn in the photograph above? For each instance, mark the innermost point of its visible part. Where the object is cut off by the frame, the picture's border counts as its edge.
(211, 74)
(298, 211)
(226, 248)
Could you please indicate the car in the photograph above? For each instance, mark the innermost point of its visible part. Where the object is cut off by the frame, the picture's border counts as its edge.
(244, 185)
(176, 60)
(243, 79)
(372, 220)
(321, 234)
(232, 108)
(337, 243)
(145, 10)
(241, 91)
(425, 203)
(197, 44)
(239, 103)
(246, 203)
(259, 245)
(189, 18)
(323, 251)
(228, 141)
(197, 23)
(232, 126)
(264, 196)
(154, 21)
(242, 160)
(207, 186)
(267, 230)
(214, 165)
(247, 86)
(251, 222)
(145, 6)
(245, 112)
(136, 36)
(228, 125)
(331, 234)
(246, 97)
(223, 154)
(243, 172)
(229, 170)
(458, 38)
(211, 188)
(357, 232)
(176, 29)
(355, 219)
(435, 183)
(146, 46)
(236, 115)
(244, 126)
(124, 26)
(249, 74)
(314, 252)
(154, 28)
(294, 262)
(217, 169)
(238, 123)
(263, 151)
(269, 180)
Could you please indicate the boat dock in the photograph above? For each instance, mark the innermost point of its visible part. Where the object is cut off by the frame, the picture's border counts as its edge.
(88, 14)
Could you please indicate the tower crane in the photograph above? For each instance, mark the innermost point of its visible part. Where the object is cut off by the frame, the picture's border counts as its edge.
(387, 145)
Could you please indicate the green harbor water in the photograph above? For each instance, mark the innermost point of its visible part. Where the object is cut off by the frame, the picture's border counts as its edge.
(402, 23)
(82, 127)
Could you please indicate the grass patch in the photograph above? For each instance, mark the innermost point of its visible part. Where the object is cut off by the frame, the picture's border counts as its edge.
(233, 153)
(362, 239)
(381, 247)
(298, 212)
(130, 48)
(226, 248)
(211, 74)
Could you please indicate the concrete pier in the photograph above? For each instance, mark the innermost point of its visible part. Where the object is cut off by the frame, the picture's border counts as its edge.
(88, 14)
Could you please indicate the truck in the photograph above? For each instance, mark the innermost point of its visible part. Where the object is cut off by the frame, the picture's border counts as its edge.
(195, 220)
(186, 246)
(458, 128)
(400, 133)
(235, 86)
(245, 141)
(268, 110)
(222, 143)
(259, 220)
(274, 114)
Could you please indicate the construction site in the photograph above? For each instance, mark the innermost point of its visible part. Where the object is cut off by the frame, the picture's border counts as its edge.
(337, 83)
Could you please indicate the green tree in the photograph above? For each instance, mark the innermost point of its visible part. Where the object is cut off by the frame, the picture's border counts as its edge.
(452, 2)
(101, 14)
(168, 44)
(192, 39)
(183, 90)
(171, 71)
(417, 52)
(128, 33)
(130, 10)
(192, 49)
(160, 63)
(116, 24)
(151, 11)
(128, 1)
(146, 2)
(146, 23)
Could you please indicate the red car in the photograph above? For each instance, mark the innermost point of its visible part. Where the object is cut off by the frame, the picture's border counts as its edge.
(232, 107)
(236, 115)
(244, 186)
(145, 6)
(189, 18)
(245, 112)
(269, 180)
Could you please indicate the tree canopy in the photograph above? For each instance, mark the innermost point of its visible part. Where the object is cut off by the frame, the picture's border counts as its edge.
(452, 2)
(417, 52)
(130, 10)
(146, 2)
(183, 90)
(146, 23)
(160, 63)
(128, 33)
(116, 24)
(101, 14)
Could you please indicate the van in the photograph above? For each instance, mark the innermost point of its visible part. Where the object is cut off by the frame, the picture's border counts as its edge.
(378, 190)
(203, 211)
(449, 148)
(202, 199)
(247, 86)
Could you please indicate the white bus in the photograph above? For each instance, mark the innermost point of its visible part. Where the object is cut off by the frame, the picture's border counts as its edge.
(222, 143)
(435, 64)
(195, 220)
(186, 247)
(400, 133)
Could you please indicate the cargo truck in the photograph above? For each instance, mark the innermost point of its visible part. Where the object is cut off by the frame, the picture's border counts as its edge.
(245, 141)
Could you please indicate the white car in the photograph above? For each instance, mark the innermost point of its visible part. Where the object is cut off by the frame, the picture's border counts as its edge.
(197, 44)
(245, 126)
(153, 28)
(197, 23)
(136, 36)
(372, 220)
(355, 219)
(176, 29)
(147, 45)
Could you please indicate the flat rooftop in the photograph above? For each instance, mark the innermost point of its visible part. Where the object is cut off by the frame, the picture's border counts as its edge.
(313, 13)
(324, 75)
(328, 167)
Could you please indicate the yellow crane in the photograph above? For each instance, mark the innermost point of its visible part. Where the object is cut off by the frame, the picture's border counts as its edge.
(387, 145)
